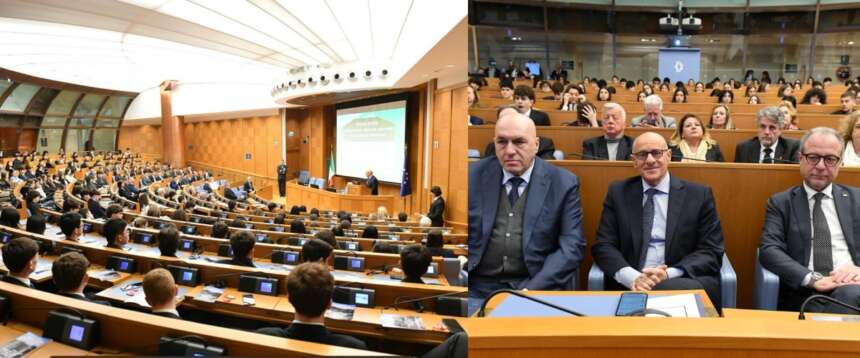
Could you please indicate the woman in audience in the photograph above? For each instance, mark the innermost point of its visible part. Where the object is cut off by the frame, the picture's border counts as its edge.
(641, 96)
(586, 116)
(797, 86)
(791, 118)
(727, 97)
(720, 118)
(382, 213)
(751, 90)
(179, 215)
(754, 100)
(570, 98)
(849, 129)
(815, 96)
(700, 87)
(691, 142)
(603, 95)
(680, 96)
(647, 89)
(664, 87)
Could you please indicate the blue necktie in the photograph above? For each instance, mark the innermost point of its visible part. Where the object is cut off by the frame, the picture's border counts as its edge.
(514, 195)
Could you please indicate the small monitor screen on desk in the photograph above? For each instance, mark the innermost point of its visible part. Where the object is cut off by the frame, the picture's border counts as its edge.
(187, 275)
(249, 226)
(186, 244)
(361, 298)
(123, 265)
(355, 263)
(278, 228)
(261, 237)
(188, 229)
(265, 287)
(292, 258)
(76, 333)
(146, 238)
(4, 237)
(87, 227)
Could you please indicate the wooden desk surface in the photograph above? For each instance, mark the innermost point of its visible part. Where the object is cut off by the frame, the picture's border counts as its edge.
(710, 311)
(13, 329)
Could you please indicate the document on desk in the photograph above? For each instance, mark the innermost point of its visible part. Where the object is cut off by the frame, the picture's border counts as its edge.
(340, 311)
(397, 321)
(209, 294)
(25, 343)
(684, 305)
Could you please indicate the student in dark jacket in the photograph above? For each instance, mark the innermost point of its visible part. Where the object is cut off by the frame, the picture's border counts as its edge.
(524, 99)
(242, 244)
(310, 287)
(437, 207)
(414, 260)
(20, 255)
(160, 290)
(435, 244)
(70, 277)
(95, 206)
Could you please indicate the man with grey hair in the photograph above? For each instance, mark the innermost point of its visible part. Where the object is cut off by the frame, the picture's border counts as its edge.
(653, 117)
(808, 238)
(613, 144)
(525, 218)
(768, 146)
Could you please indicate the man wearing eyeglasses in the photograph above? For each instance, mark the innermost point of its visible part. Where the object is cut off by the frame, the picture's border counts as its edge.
(525, 219)
(768, 147)
(658, 232)
(808, 238)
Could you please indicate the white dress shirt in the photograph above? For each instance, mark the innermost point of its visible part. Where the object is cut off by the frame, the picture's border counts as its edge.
(761, 154)
(656, 251)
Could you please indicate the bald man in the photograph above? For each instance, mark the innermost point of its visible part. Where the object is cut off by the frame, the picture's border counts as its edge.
(658, 232)
(525, 220)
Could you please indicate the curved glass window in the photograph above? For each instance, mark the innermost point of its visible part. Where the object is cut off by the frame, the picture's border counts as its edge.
(20, 98)
(114, 107)
(49, 139)
(63, 103)
(107, 122)
(104, 139)
(42, 100)
(89, 106)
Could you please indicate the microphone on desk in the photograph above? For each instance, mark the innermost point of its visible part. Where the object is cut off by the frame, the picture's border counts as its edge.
(584, 156)
(416, 302)
(482, 311)
(681, 157)
(218, 281)
(801, 315)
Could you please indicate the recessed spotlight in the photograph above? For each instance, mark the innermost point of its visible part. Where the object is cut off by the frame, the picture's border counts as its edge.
(850, 42)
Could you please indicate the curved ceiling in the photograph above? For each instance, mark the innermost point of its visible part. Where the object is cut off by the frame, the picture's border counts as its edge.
(133, 45)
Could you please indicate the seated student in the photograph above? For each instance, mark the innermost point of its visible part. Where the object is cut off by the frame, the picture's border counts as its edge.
(385, 247)
(309, 288)
(280, 219)
(70, 276)
(160, 290)
(139, 223)
(435, 244)
(114, 211)
(316, 250)
(402, 217)
(36, 224)
(414, 260)
(116, 233)
(70, 225)
(95, 206)
(10, 217)
(220, 230)
(242, 244)
(370, 232)
(238, 222)
(297, 227)
(168, 241)
(20, 256)
(327, 236)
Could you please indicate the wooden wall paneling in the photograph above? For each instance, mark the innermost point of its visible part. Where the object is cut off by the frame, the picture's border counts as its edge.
(440, 144)
(145, 139)
(27, 139)
(457, 193)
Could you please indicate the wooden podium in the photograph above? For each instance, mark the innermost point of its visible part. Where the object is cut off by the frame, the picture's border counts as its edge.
(356, 199)
(357, 189)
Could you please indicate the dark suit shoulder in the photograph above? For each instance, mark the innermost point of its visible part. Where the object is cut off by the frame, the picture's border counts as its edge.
(346, 341)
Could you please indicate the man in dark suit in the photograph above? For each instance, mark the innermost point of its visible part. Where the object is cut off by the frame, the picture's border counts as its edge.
(372, 182)
(129, 191)
(524, 99)
(70, 277)
(525, 219)
(808, 238)
(282, 178)
(310, 287)
(437, 207)
(248, 186)
(658, 232)
(769, 146)
(242, 243)
(20, 255)
(95, 206)
(160, 290)
(613, 144)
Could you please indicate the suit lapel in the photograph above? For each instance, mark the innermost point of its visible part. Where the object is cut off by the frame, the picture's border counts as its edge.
(491, 184)
(602, 150)
(779, 155)
(634, 212)
(623, 147)
(801, 212)
(677, 192)
(538, 189)
(843, 209)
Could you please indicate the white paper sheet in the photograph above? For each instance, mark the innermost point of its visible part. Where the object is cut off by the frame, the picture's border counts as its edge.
(683, 305)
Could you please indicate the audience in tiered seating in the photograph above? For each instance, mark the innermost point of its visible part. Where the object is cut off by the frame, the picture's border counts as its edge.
(160, 290)
(70, 277)
(20, 255)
